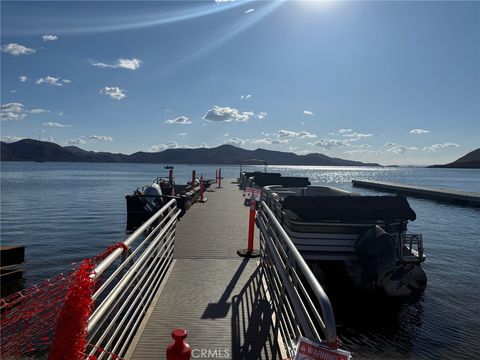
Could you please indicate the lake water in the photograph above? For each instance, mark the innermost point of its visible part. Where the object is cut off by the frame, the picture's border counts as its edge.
(65, 212)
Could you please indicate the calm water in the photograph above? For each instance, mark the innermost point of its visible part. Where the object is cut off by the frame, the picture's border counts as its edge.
(65, 212)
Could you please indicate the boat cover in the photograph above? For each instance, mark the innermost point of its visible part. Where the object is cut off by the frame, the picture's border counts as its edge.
(350, 208)
(286, 181)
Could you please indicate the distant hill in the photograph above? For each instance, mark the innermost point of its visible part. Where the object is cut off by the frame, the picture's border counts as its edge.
(469, 161)
(33, 150)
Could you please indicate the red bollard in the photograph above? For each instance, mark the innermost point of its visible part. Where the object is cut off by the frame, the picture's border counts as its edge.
(202, 190)
(179, 350)
(249, 251)
(251, 224)
(219, 178)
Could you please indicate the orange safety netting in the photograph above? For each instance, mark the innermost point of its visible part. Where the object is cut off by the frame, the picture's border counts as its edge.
(51, 317)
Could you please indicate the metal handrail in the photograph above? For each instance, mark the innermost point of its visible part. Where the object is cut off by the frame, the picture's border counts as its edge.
(129, 281)
(295, 293)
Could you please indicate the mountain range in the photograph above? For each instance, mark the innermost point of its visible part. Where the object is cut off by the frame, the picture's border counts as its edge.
(468, 161)
(33, 150)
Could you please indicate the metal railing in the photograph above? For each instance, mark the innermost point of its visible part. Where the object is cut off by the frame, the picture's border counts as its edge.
(414, 243)
(300, 304)
(129, 281)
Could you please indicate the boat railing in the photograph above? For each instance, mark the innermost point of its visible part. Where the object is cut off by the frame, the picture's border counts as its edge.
(414, 243)
(128, 281)
(300, 305)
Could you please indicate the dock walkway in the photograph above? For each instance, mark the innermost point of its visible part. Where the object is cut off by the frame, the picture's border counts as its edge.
(211, 292)
(445, 195)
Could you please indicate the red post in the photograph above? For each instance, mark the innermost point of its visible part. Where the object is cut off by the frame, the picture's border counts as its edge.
(249, 251)
(251, 224)
(179, 350)
(193, 178)
(202, 189)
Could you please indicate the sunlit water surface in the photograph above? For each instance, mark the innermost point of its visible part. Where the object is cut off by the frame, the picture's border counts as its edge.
(65, 212)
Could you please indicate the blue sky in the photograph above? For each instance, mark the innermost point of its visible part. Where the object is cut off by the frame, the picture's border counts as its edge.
(388, 82)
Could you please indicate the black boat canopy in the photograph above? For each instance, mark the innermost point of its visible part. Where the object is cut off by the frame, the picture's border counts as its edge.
(350, 208)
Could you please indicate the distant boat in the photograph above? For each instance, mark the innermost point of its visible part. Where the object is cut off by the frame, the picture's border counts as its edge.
(39, 160)
(168, 167)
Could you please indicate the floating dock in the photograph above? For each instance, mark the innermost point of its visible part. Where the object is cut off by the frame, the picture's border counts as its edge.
(210, 291)
(444, 195)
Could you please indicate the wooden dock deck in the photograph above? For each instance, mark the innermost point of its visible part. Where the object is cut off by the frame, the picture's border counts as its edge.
(444, 195)
(210, 291)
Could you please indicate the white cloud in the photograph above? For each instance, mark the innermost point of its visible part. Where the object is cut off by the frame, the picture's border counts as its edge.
(293, 134)
(23, 78)
(306, 135)
(157, 148)
(268, 141)
(343, 131)
(160, 147)
(47, 138)
(102, 65)
(179, 120)
(12, 111)
(11, 139)
(16, 49)
(49, 37)
(51, 80)
(436, 147)
(261, 115)
(308, 112)
(55, 124)
(13, 91)
(235, 141)
(223, 1)
(114, 92)
(356, 136)
(227, 114)
(249, 11)
(182, 134)
(100, 138)
(38, 111)
(361, 151)
(286, 134)
(398, 149)
(78, 141)
(329, 143)
(245, 97)
(129, 64)
(419, 131)
(226, 134)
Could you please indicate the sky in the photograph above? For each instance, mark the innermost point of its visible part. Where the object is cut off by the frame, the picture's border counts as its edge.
(377, 81)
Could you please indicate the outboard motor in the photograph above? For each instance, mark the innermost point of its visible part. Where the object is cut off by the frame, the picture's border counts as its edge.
(153, 197)
(377, 250)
